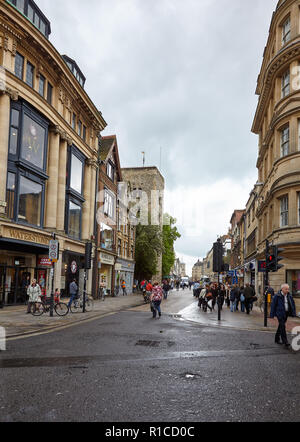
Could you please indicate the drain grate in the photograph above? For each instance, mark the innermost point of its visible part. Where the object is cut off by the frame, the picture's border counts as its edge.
(148, 343)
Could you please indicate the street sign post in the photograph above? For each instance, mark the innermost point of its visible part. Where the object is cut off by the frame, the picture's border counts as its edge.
(53, 256)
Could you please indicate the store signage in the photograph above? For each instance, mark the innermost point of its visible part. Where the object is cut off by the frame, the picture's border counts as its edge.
(118, 267)
(105, 258)
(74, 267)
(24, 235)
(44, 262)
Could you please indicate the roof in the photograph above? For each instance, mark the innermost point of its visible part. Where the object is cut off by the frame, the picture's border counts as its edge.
(198, 263)
(108, 145)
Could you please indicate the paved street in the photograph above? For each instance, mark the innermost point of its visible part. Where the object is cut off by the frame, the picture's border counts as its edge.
(130, 367)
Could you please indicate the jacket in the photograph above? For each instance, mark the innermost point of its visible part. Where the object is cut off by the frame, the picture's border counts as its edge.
(34, 293)
(248, 292)
(73, 288)
(278, 308)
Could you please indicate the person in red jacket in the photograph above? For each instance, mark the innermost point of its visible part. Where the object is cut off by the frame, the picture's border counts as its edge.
(156, 298)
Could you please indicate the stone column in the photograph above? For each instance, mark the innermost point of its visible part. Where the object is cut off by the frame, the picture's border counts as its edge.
(52, 185)
(4, 138)
(87, 203)
(62, 170)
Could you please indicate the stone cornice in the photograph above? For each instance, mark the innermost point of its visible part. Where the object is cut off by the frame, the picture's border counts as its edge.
(284, 57)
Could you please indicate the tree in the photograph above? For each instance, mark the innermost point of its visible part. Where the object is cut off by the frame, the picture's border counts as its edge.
(148, 245)
(170, 235)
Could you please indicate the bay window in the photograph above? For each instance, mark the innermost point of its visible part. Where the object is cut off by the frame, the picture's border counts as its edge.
(27, 155)
(74, 197)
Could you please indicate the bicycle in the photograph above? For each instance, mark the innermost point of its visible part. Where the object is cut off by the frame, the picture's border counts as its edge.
(77, 304)
(39, 308)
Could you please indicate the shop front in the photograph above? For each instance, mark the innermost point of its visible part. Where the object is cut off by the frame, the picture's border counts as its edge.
(23, 257)
(124, 271)
(72, 268)
(107, 263)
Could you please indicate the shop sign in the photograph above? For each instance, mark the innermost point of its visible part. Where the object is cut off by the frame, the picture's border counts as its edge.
(44, 262)
(118, 267)
(23, 235)
(105, 258)
(74, 267)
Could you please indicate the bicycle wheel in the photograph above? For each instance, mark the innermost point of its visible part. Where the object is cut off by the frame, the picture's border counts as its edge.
(76, 307)
(89, 304)
(37, 309)
(61, 309)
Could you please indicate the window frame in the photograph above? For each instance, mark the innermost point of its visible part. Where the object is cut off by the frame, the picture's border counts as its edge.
(284, 212)
(30, 65)
(44, 81)
(112, 167)
(23, 64)
(22, 168)
(284, 143)
(286, 85)
(49, 95)
(286, 36)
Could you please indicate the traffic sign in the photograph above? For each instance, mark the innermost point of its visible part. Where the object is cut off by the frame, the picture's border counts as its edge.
(54, 250)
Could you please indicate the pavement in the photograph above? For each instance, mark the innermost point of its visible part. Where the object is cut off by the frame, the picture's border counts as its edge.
(18, 324)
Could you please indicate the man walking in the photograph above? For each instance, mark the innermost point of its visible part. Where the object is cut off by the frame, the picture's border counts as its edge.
(123, 285)
(73, 292)
(282, 307)
(248, 295)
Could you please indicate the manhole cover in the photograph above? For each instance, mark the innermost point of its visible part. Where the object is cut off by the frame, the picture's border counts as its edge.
(148, 343)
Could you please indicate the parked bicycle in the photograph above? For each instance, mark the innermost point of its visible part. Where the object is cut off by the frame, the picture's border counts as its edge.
(39, 308)
(77, 304)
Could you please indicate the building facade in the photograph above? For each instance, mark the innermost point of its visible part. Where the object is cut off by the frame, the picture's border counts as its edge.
(48, 156)
(197, 271)
(277, 123)
(151, 183)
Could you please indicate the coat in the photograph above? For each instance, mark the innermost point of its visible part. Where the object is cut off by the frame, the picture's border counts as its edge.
(34, 293)
(278, 308)
(248, 292)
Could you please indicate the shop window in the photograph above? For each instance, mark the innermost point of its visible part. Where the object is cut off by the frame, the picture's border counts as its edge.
(293, 280)
(26, 165)
(30, 201)
(109, 204)
(110, 171)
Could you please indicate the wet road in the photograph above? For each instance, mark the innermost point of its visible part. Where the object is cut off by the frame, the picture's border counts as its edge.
(128, 367)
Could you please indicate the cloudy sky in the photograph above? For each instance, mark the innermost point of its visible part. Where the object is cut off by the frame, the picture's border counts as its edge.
(176, 77)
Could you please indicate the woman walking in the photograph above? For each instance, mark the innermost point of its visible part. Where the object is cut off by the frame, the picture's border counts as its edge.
(156, 298)
(34, 292)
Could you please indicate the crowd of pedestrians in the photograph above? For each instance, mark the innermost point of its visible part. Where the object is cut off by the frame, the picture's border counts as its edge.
(236, 298)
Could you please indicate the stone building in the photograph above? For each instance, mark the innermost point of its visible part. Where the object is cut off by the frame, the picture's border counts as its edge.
(48, 155)
(183, 270)
(277, 123)
(197, 271)
(237, 234)
(150, 181)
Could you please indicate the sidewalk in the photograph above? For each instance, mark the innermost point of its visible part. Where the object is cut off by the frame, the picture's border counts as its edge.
(239, 320)
(17, 323)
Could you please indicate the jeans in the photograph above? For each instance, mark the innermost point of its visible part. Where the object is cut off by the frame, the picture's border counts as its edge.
(232, 306)
(165, 294)
(74, 296)
(248, 305)
(281, 331)
(242, 306)
(156, 305)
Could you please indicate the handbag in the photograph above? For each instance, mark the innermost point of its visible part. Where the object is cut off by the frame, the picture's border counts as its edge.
(242, 298)
(152, 306)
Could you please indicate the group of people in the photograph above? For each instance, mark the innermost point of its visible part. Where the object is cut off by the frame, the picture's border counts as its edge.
(34, 293)
(234, 296)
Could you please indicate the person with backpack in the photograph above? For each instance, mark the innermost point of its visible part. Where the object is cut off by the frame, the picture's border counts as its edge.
(156, 298)
(123, 285)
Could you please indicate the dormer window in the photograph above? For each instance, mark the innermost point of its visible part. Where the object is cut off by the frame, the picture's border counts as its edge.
(72, 65)
(34, 14)
(110, 171)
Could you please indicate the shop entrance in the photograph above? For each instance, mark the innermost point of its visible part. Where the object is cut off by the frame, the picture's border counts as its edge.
(13, 284)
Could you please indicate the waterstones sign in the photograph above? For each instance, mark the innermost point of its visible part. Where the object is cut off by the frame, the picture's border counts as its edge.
(23, 235)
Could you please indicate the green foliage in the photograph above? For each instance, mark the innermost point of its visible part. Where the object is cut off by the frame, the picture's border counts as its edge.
(148, 246)
(170, 235)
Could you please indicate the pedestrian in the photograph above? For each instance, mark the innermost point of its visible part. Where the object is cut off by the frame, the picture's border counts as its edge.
(222, 294)
(196, 289)
(149, 288)
(166, 288)
(202, 299)
(237, 297)
(248, 294)
(73, 291)
(242, 299)
(282, 307)
(156, 298)
(34, 292)
(233, 299)
(214, 292)
(57, 296)
(123, 285)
